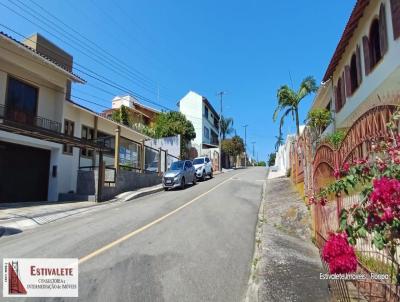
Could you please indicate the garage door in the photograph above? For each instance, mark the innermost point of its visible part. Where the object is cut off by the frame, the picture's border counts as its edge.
(24, 173)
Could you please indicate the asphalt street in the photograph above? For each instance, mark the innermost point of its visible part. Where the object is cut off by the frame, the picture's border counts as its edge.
(185, 245)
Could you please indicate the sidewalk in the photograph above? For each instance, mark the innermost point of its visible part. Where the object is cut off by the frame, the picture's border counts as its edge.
(15, 217)
(286, 265)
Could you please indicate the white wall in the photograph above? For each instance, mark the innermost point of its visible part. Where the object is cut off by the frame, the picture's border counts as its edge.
(191, 105)
(172, 144)
(282, 160)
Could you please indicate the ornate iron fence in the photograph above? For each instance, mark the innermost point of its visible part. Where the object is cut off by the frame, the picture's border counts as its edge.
(370, 128)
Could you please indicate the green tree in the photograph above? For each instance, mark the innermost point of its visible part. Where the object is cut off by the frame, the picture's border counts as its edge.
(336, 138)
(271, 159)
(318, 119)
(226, 126)
(173, 123)
(122, 116)
(289, 100)
(233, 146)
(261, 163)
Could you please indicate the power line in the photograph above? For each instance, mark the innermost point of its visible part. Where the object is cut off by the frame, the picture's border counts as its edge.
(100, 78)
(88, 53)
(98, 47)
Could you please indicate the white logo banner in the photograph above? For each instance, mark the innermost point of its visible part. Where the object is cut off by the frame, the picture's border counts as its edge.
(40, 277)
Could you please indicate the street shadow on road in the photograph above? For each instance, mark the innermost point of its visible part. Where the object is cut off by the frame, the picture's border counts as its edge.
(5, 231)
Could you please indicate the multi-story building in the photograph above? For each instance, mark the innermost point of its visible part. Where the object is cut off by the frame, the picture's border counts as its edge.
(139, 113)
(204, 118)
(365, 67)
(45, 138)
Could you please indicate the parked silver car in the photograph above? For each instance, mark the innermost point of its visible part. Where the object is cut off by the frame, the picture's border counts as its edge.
(179, 174)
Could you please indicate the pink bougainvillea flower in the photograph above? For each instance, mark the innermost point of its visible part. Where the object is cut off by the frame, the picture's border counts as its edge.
(323, 201)
(388, 215)
(339, 254)
(386, 192)
(336, 173)
(346, 167)
(311, 200)
(360, 161)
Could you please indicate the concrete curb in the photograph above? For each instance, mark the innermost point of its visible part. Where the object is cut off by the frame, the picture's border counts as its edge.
(254, 282)
(133, 195)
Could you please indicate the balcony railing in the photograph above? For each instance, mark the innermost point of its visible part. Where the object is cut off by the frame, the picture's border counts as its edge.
(9, 114)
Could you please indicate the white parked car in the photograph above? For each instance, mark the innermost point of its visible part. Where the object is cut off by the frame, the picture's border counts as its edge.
(203, 167)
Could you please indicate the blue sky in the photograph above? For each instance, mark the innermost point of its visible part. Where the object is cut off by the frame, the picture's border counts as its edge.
(245, 48)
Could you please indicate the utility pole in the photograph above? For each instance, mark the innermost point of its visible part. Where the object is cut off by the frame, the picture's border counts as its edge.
(253, 149)
(221, 94)
(245, 147)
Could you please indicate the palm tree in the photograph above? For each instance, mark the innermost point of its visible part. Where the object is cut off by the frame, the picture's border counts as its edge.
(289, 100)
(226, 126)
(279, 141)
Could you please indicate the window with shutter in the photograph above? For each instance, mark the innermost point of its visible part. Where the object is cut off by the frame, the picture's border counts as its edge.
(339, 95)
(343, 90)
(347, 78)
(395, 10)
(382, 31)
(335, 91)
(358, 64)
(374, 44)
(353, 73)
(367, 56)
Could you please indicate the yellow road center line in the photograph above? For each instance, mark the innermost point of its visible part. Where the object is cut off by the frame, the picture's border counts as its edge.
(145, 227)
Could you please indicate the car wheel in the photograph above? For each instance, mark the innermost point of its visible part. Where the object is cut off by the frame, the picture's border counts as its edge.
(165, 189)
(203, 176)
(211, 174)
(182, 183)
(194, 179)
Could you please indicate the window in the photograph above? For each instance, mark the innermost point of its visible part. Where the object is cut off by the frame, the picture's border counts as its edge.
(207, 160)
(21, 101)
(353, 73)
(206, 132)
(374, 47)
(376, 44)
(188, 164)
(129, 154)
(88, 134)
(395, 8)
(339, 94)
(328, 107)
(206, 111)
(198, 161)
(69, 131)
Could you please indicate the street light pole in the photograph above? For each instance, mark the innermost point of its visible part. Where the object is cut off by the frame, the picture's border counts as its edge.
(245, 147)
(219, 131)
(253, 149)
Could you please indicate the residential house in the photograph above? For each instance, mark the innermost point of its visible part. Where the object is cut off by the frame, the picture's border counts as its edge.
(140, 114)
(364, 69)
(45, 138)
(204, 118)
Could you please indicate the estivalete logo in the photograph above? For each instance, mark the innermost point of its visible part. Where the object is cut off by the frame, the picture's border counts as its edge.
(15, 286)
(40, 277)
